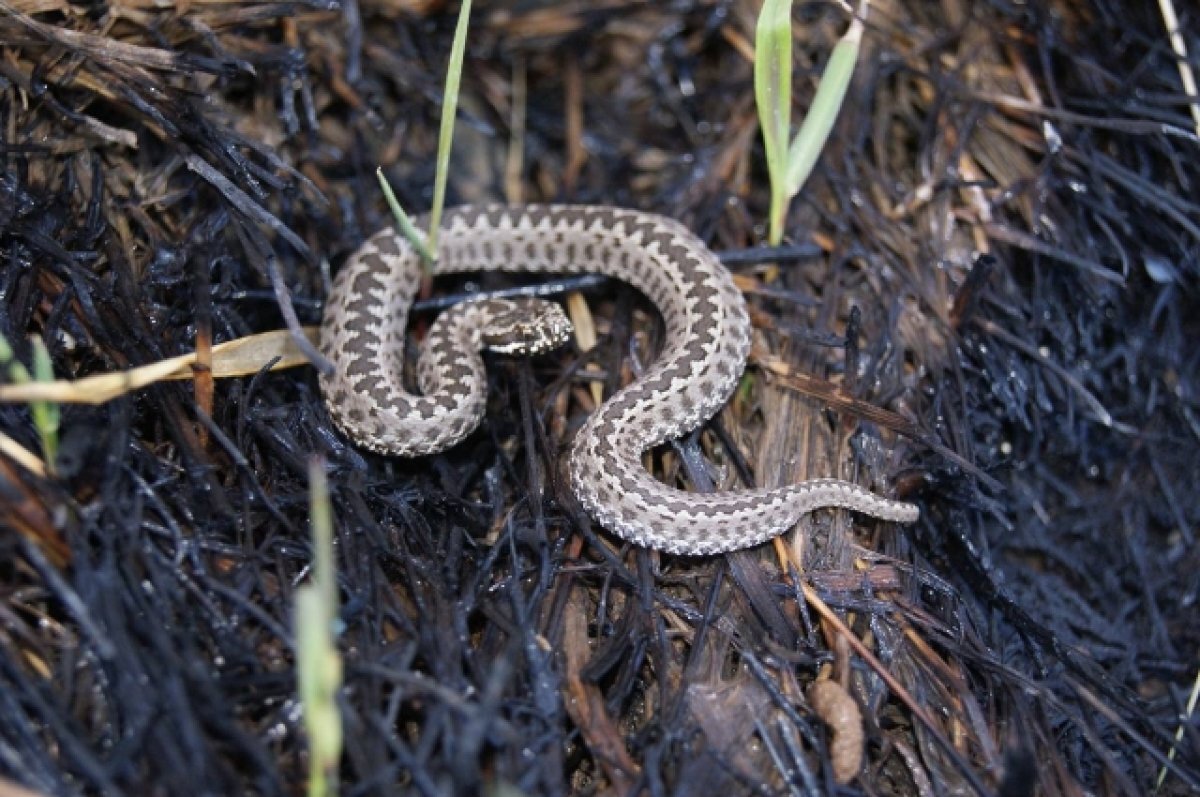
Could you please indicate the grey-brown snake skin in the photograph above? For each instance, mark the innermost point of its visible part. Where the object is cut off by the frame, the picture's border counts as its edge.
(707, 342)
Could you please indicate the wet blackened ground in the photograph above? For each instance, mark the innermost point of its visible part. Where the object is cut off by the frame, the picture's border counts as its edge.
(988, 305)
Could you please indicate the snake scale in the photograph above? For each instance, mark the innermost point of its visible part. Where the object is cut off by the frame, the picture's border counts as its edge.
(706, 346)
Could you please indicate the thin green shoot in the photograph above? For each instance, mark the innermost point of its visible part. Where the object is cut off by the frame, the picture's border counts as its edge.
(449, 111)
(318, 665)
(404, 222)
(1190, 709)
(773, 98)
(46, 414)
(790, 166)
(826, 104)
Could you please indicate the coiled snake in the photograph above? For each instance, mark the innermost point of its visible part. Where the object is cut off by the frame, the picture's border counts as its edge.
(707, 342)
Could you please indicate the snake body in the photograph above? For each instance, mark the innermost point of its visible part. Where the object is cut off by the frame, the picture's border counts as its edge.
(707, 343)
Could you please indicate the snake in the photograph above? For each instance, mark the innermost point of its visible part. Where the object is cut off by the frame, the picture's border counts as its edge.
(705, 348)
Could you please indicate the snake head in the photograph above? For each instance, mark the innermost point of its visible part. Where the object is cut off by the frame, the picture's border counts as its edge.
(526, 327)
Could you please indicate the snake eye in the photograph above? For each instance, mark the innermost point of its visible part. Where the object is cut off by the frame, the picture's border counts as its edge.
(526, 327)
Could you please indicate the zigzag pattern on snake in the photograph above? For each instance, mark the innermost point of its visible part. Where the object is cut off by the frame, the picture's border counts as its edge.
(704, 354)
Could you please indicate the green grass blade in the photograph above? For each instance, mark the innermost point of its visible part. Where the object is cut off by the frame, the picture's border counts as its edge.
(1189, 711)
(449, 110)
(404, 222)
(46, 414)
(826, 105)
(318, 665)
(773, 96)
(321, 720)
(324, 572)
